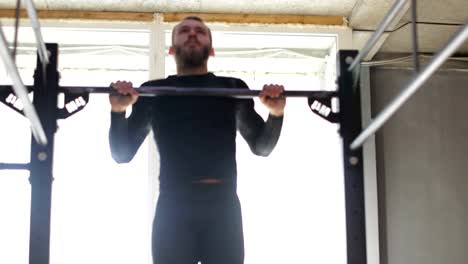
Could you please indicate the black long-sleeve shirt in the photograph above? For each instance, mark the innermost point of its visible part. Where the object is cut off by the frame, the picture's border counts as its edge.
(195, 135)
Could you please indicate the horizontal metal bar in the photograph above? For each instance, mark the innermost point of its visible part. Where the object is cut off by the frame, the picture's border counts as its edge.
(195, 91)
(21, 92)
(41, 47)
(456, 41)
(149, 91)
(377, 33)
(15, 166)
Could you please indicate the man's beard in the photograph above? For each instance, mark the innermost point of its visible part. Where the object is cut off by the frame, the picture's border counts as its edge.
(191, 58)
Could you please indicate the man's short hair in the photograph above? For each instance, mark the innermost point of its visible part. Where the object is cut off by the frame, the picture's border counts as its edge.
(196, 18)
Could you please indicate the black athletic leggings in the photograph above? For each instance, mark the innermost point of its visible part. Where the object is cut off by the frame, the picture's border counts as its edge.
(204, 224)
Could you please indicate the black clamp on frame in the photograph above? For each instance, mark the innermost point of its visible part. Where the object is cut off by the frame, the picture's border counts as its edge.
(8, 98)
(73, 103)
(323, 107)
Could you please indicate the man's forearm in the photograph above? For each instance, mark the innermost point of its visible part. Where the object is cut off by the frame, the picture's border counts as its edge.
(118, 137)
(268, 135)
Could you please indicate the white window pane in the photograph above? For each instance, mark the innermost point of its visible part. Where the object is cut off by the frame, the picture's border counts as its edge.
(15, 137)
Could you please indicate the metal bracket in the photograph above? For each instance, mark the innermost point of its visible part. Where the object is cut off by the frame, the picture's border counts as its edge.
(73, 103)
(15, 166)
(323, 107)
(8, 97)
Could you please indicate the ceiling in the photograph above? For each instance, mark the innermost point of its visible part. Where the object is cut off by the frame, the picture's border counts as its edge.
(437, 20)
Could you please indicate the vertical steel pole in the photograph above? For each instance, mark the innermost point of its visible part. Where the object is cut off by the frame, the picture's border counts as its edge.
(350, 127)
(45, 102)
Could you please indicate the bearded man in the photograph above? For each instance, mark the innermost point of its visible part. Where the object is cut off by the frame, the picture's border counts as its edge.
(198, 214)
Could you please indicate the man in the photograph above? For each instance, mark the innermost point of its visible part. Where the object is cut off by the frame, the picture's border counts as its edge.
(198, 215)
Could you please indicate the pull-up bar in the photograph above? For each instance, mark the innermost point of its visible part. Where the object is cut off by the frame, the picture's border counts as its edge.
(456, 41)
(148, 91)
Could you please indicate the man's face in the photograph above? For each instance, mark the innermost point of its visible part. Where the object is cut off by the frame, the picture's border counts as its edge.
(192, 43)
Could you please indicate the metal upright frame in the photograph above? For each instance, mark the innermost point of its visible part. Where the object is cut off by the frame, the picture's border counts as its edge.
(45, 96)
(349, 120)
(42, 157)
(350, 126)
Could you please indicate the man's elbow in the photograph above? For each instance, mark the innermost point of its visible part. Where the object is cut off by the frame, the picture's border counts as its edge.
(261, 152)
(120, 159)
